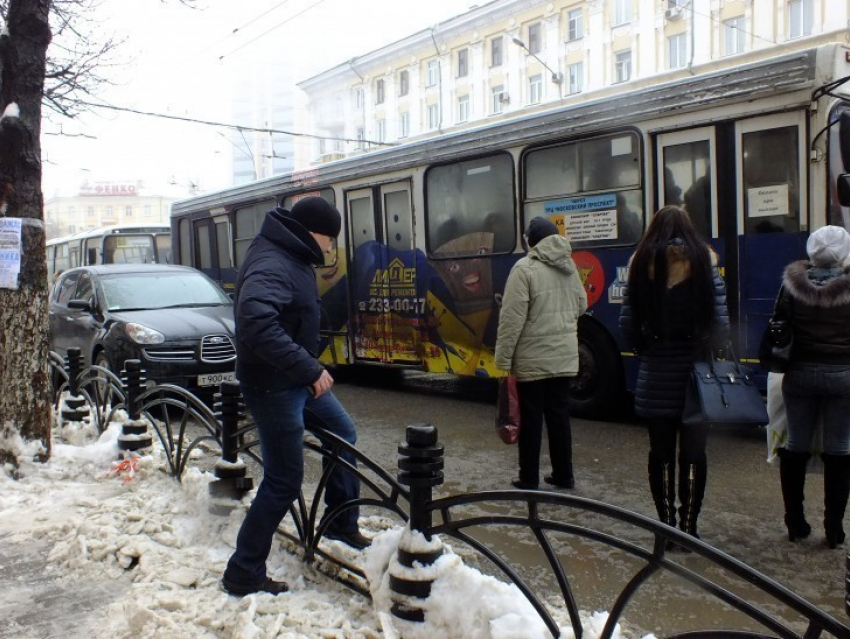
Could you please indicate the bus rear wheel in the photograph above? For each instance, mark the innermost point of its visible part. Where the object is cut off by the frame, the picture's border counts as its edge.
(598, 390)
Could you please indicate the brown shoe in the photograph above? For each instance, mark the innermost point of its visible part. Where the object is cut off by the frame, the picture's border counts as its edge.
(269, 585)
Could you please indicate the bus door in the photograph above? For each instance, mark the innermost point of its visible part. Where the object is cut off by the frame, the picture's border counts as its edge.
(772, 182)
(388, 312)
(687, 176)
(211, 237)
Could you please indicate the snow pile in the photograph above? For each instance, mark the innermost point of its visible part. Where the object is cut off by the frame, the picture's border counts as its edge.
(127, 521)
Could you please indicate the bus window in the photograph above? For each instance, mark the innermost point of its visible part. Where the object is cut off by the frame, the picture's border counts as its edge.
(185, 243)
(470, 207)
(686, 181)
(128, 249)
(63, 261)
(222, 239)
(203, 248)
(590, 189)
(362, 218)
(837, 214)
(163, 249)
(247, 223)
(771, 180)
(326, 194)
(398, 219)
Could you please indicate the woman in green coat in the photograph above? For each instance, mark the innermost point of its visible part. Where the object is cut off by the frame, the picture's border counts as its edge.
(537, 342)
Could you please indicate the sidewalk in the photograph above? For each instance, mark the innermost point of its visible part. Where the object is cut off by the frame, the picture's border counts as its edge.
(35, 604)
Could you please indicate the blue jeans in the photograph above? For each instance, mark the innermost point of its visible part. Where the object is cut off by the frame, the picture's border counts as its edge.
(279, 412)
(815, 393)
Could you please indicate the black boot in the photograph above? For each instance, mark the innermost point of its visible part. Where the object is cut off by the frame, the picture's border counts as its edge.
(792, 476)
(692, 477)
(662, 484)
(836, 488)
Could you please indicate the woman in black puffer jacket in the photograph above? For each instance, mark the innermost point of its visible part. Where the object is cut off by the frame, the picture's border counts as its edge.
(674, 311)
(815, 298)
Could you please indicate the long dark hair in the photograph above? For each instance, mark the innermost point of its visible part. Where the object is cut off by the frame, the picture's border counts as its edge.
(670, 230)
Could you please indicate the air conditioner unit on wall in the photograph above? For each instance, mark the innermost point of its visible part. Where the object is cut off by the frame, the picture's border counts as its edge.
(673, 13)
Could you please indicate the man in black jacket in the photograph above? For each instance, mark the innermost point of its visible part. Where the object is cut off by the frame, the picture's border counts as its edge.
(283, 383)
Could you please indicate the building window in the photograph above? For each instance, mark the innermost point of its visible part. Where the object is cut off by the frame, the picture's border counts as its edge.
(71, 212)
(148, 210)
(128, 211)
(622, 12)
(535, 89)
(576, 77)
(404, 125)
(108, 215)
(677, 51)
(496, 52)
(361, 137)
(381, 130)
(379, 92)
(359, 99)
(433, 116)
(575, 26)
(499, 98)
(403, 83)
(463, 109)
(433, 72)
(623, 66)
(90, 211)
(733, 36)
(799, 18)
(463, 63)
(535, 37)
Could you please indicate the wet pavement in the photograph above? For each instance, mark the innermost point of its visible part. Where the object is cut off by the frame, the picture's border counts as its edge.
(742, 513)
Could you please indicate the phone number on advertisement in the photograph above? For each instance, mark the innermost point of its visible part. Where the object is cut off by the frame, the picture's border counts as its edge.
(396, 304)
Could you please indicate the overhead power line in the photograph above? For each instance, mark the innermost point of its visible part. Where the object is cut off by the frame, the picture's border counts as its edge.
(236, 127)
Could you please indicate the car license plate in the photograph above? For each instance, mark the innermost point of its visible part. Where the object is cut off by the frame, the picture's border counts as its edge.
(213, 379)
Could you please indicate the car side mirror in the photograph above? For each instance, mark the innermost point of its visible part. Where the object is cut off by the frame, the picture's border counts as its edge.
(844, 189)
(80, 305)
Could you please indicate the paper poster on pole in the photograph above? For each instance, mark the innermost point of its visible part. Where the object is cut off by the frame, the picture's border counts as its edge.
(10, 252)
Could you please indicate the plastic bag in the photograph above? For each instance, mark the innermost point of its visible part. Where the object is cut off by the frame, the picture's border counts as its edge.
(507, 410)
(777, 426)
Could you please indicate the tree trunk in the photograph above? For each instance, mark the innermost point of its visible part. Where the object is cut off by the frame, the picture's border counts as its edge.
(25, 407)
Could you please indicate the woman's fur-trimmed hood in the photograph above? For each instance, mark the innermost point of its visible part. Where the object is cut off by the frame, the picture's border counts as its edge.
(814, 286)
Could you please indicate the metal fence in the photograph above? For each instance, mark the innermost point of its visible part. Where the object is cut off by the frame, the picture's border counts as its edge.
(552, 519)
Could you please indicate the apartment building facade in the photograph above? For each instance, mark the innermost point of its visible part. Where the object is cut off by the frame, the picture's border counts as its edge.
(508, 57)
(104, 204)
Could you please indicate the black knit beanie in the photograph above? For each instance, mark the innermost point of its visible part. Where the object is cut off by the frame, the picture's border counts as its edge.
(317, 215)
(539, 228)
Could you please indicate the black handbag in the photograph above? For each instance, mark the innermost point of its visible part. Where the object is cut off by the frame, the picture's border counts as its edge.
(778, 338)
(723, 392)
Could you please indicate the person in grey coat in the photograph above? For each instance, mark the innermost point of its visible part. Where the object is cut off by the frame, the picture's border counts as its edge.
(674, 313)
(815, 297)
(537, 341)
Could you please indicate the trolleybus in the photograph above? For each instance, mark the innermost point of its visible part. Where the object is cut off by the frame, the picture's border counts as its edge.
(432, 227)
(122, 244)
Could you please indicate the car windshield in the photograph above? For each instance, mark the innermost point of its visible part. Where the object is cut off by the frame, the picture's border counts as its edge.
(150, 291)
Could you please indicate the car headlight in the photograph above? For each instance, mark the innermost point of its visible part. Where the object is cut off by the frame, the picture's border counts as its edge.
(144, 335)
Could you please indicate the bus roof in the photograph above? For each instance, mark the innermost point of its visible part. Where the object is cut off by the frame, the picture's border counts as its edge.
(118, 229)
(794, 73)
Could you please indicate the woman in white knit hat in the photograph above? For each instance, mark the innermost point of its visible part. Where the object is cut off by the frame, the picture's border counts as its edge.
(815, 296)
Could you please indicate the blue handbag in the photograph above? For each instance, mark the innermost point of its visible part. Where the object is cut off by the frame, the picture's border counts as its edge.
(723, 392)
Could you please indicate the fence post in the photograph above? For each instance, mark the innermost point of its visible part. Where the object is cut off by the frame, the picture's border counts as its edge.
(134, 432)
(74, 406)
(229, 470)
(420, 466)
